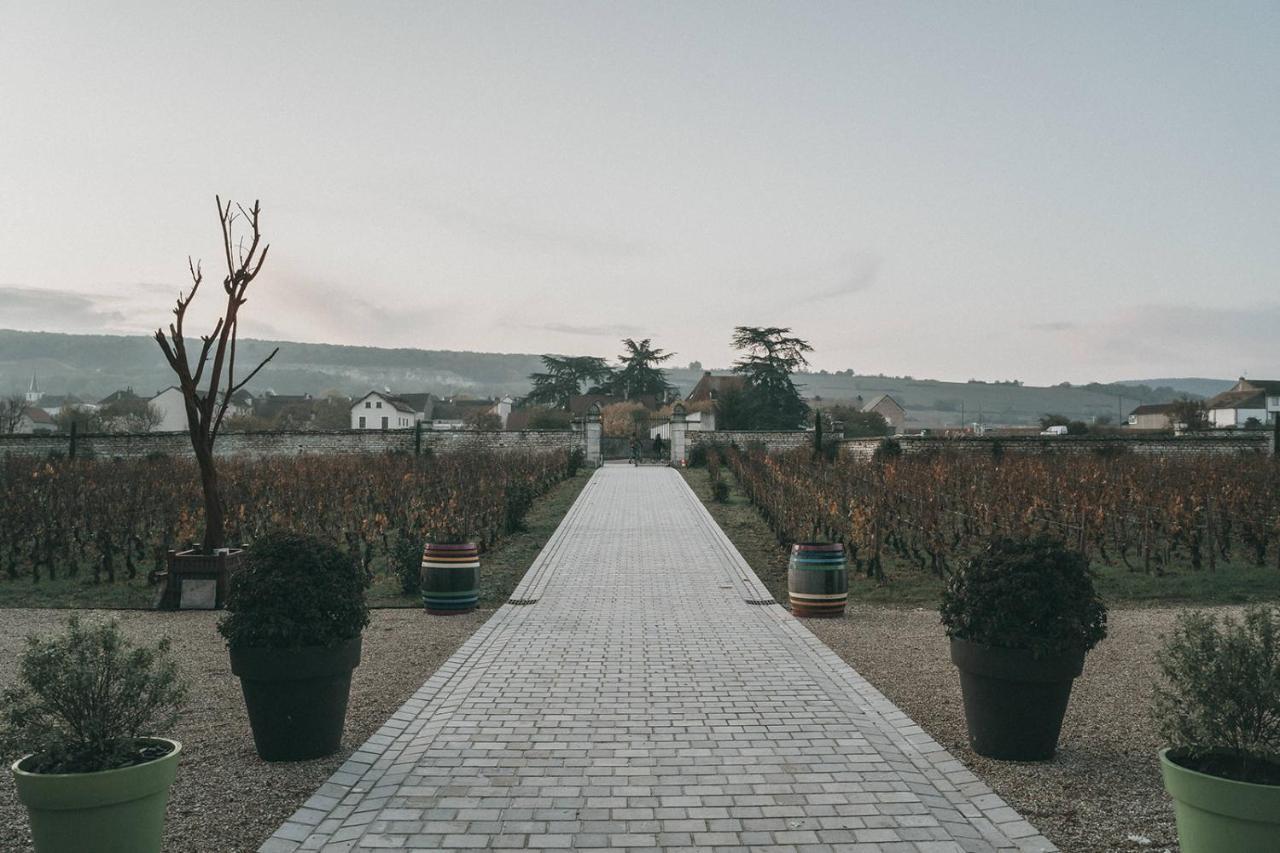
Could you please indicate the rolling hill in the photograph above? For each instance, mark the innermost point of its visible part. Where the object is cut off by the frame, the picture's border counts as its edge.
(92, 366)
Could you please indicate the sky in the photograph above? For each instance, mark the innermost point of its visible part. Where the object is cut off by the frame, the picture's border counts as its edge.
(1042, 191)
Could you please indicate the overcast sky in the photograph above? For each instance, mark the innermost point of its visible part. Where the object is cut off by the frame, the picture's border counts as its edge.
(1065, 191)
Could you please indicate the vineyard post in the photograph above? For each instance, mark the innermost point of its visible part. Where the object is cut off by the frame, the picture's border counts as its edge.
(1209, 537)
(417, 438)
(71, 446)
(1146, 542)
(1084, 542)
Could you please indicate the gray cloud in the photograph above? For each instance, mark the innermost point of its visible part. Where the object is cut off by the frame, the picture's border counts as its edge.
(603, 330)
(499, 229)
(854, 272)
(1188, 339)
(51, 308)
(1053, 326)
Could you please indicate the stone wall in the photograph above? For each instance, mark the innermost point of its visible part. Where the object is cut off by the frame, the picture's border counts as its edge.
(286, 443)
(1235, 442)
(771, 439)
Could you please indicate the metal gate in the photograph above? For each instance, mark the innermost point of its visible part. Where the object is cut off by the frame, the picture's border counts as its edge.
(619, 447)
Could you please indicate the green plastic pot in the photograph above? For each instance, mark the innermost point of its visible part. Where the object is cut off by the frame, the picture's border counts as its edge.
(122, 811)
(1216, 815)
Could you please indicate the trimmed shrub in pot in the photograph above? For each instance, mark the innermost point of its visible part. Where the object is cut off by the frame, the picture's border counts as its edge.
(1021, 615)
(1219, 711)
(293, 627)
(88, 706)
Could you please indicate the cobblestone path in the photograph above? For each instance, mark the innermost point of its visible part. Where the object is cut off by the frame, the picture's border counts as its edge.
(643, 697)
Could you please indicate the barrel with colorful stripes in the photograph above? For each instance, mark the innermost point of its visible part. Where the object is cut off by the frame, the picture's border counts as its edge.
(450, 577)
(816, 580)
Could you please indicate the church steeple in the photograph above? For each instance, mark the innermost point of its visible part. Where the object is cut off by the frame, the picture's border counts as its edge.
(33, 392)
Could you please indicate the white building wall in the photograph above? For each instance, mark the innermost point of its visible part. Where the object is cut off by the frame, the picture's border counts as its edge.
(173, 411)
(374, 408)
(1225, 418)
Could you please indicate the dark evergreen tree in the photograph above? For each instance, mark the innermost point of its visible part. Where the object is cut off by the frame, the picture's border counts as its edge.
(770, 355)
(564, 378)
(639, 373)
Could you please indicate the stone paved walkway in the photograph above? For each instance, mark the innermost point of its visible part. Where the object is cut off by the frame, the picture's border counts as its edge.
(648, 701)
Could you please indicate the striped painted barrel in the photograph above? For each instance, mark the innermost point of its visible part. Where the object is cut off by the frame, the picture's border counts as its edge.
(450, 577)
(816, 579)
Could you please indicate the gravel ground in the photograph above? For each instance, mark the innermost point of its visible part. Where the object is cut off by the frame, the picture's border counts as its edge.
(1102, 792)
(1103, 787)
(226, 798)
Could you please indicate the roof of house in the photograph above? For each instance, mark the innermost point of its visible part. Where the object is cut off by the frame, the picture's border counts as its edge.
(119, 397)
(39, 416)
(241, 398)
(1271, 386)
(269, 405)
(47, 400)
(711, 386)
(1249, 398)
(581, 403)
(457, 410)
(409, 403)
(876, 401)
(519, 419)
(1155, 409)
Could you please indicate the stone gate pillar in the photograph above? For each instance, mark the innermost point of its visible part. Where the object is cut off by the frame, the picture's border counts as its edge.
(679, 435)
(592, 429)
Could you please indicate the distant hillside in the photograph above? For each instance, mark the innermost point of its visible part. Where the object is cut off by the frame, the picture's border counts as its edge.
(1195, 386)
(932, 403)
(92, 366)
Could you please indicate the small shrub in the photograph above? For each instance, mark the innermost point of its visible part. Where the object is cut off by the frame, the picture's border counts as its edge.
(1033, 594)
(577, 457)
(519, 500)
(406, 560)
(997, 451)
(1219, 704)
(85, 697)
(295, 591)
(719, 491)
(698, 456)
(887, 450)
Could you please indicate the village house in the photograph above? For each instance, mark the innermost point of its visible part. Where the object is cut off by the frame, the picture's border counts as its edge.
(51, 404)
(34, 420)
(384, 410)
(711, 387)
(889, 409)
(172, 408)
(1156, 416)
(1256, 400)
(269, 406)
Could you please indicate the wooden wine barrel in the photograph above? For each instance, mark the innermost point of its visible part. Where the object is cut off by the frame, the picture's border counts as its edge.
(450, 577)
(816, 580)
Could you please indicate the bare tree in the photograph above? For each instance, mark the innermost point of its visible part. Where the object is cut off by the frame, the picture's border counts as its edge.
(207, 405)
(11, 409)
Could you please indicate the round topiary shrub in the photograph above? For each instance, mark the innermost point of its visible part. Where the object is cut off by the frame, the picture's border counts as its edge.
(1033, 593)
(296, 591)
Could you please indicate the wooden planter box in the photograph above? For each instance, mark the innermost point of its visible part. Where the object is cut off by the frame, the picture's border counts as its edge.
(194, 581)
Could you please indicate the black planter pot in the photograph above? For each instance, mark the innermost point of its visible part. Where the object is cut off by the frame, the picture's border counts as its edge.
(1014, 703)
(297, 698)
